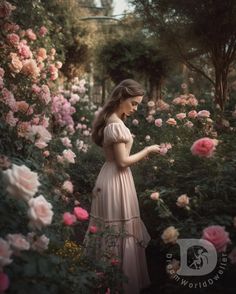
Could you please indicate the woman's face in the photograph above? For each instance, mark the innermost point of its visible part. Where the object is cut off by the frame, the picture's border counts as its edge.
(130, 105)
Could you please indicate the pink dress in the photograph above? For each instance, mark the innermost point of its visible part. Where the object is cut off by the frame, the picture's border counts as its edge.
(115, 207)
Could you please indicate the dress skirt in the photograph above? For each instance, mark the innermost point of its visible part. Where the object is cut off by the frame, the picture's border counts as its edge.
(115, 209)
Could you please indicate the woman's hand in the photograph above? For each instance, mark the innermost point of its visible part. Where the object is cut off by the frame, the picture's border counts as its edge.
(153, 149)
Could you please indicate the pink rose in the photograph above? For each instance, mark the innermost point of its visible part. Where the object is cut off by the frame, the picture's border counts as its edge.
(40, 244)
(203, 114)
(15, 65)
(69, 219)
(217, 236)
(155, 196)
(23, 129)
(204, 147)
(5, 253)
(69, 156)
(158, 122)
(40, 212)
(163, 150)
(46, 153)
(171, 122)
(189, 124)
(115, 261)
(4, 282)
(13, 39)
(36, 89)
(53, 51)
(93, 229)
(22, 106)
(180, 116)
(30, 68)
(192, 114)
(66, 142)
(192, 101)
(42, 53)
(81, 213)
(30, 34)
(135, 122)
(43, 31)
(10, 119)
(39, 135)
(68, 186)
(182, 200)
(58, 64)
(22, 183)
(18, 242)
(150, 118)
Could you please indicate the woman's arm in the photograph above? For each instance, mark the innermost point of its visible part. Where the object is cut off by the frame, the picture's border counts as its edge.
(124, 160)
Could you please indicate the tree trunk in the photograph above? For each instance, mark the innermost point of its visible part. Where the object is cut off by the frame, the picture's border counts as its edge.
(221, 86)
(155, 89)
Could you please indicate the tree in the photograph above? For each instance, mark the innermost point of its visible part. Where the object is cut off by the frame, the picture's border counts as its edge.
(196, 32)
(128, 52)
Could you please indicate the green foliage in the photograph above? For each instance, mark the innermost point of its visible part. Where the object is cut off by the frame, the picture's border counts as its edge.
(192, 32)
(133, 57)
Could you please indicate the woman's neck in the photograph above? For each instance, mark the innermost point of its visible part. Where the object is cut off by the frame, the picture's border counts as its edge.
(116, 115)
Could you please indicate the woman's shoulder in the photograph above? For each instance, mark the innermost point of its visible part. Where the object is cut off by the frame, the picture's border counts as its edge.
(116, 131)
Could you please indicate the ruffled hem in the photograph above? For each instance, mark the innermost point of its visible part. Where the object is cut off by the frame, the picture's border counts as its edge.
(126, 228)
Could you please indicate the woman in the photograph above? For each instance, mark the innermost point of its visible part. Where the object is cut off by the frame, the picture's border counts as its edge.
(115, 203)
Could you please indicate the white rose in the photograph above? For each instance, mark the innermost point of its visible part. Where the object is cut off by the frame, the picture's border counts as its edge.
(40, 212)
(22, 182)
(170, 235)
(182, 200)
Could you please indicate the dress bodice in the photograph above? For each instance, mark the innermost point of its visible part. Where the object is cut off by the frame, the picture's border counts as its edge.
(116, 132)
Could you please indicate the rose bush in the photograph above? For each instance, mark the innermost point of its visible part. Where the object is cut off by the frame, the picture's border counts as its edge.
(36, 117)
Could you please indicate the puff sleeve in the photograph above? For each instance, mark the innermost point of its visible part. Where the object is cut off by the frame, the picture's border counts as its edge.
(116, 133)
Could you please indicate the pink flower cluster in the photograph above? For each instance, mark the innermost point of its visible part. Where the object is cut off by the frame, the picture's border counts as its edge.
(78, 214)
(33, 63)
(15, 243)
(81, 146)
(78, 85)
(39, 135)
(62, 110)
(23, 184)
(187, 99)
(162, 105)
(43, 93)
(164, 147)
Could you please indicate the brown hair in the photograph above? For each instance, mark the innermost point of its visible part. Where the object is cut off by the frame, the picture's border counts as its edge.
(124, 90)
